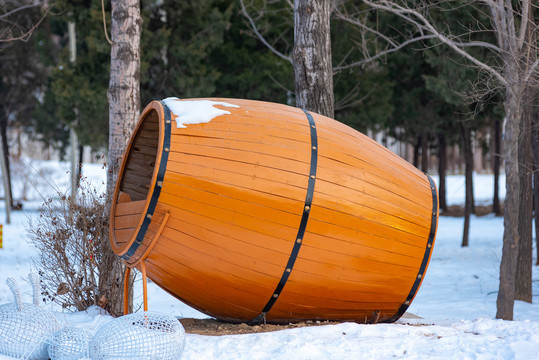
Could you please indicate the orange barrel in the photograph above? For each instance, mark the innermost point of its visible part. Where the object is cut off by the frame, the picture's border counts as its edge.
(252, 211)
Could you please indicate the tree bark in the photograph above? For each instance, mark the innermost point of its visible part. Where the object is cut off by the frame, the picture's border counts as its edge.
(468, 160)
(124, 107)
(124, 84)
(496, 208)
(442, 170)
(523, 277)
(313, 70)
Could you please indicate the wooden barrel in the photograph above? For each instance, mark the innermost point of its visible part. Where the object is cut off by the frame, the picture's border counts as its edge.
(252, 211)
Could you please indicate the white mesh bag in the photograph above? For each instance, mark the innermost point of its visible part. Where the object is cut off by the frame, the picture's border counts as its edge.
(25, 328)
(69, 343)
(144, 335)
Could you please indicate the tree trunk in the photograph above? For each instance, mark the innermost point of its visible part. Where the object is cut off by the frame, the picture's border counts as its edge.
(442, 169)
(425, 153)
(124, 107)
(511, 236)
(535, 146)
(523, 279)
(79, 165)
(313, 70)
(417, 146)
(5, 145)
(468, 160)
(3, 134)
(496, 208)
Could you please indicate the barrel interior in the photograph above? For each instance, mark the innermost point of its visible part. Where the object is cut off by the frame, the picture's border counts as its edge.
(140, 164)
(136, 179)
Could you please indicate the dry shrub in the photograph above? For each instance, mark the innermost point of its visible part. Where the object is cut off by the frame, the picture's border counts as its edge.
(75, 261)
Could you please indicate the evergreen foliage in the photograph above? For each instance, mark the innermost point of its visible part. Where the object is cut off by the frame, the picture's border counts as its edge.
(21, 76)
(76, 93)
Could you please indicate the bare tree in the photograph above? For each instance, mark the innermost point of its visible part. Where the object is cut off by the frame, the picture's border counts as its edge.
(124, 107)
(512, 73)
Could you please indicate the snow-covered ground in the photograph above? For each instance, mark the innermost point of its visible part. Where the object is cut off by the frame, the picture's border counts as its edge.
(457, 301)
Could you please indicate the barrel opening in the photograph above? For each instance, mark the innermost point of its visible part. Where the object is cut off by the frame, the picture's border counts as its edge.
(135, 181)
(140, 164)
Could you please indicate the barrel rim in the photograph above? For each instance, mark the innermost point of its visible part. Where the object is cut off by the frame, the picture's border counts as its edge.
(426, 258)
(159, 108)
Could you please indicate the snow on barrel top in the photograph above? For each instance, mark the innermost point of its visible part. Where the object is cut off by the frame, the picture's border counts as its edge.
(195, 111)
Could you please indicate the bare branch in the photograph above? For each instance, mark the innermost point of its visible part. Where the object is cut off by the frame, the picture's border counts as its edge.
(279, 84)
(383, 53)
(533, 68)
(20, 8)
(260, 37)
(510, 19)
(7, 33)
(362, 25)
(349, 99)
(415, 17)
(524, 23)
(24, 37)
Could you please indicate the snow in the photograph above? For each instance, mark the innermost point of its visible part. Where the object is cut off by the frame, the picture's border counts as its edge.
(195, 111)
(483, 188)
(456, 302)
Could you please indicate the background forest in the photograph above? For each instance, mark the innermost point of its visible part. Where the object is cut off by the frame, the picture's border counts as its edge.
(208, 49)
